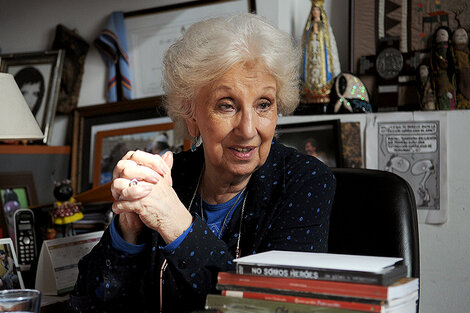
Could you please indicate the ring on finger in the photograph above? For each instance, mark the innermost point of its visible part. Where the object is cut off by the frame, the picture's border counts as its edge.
(133, 182)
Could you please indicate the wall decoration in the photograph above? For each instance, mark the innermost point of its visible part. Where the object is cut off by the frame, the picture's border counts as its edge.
(112, 145)
(321, 139)
(91, 119)
(76, 49)
(351, 144)
(38, 75)
(17, 191)
(413, 22)
(150, 32)
(413, 146)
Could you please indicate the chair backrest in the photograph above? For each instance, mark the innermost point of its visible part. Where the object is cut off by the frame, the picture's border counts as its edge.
(374, 213)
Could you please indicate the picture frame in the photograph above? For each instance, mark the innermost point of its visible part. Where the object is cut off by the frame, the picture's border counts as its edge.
(17, 190)
(321, 139)
(12, 280)
(150, 33)
(38, 75)
(89, 120)
(111, 145)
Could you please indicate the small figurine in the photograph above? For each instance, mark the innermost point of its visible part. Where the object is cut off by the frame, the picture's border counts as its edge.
(462, 67)
(66, 210)
(320, 61)
(349, 95)
(442, 63)
(427, 100)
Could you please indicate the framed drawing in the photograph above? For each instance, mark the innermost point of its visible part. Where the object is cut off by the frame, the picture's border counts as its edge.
(150, 33)
(321, 139)
(9, 279)
(112, 145)
(17, 191)
(90, 120)
(38, 76)
(351, 144)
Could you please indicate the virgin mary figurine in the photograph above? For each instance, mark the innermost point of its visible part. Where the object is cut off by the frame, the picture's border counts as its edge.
(320, 62)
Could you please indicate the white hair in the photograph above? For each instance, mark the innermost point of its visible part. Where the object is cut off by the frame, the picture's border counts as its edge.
(210, 48)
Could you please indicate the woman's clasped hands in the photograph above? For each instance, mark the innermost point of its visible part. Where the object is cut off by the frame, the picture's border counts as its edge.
(144, 197)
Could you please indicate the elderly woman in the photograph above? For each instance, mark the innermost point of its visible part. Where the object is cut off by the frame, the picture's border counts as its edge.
(179, 222)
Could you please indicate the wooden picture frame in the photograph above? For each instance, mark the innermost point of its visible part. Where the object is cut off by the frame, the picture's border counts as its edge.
(150, 33)
(17, 187)
(111, 145)
(91, 119)
(321, 139)
(38, 76)
(14, 280)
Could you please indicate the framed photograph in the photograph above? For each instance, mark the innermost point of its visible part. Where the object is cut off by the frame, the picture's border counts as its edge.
(10, 275)
(112, 145)
(321, 139)
(90, 120)
(150, 33)
(38, 76)
(17, 191)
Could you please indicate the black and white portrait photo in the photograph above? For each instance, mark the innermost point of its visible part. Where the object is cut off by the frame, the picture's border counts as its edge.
(32, 82)
(38, 76)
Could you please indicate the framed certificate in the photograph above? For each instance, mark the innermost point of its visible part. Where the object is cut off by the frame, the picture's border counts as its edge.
(151, 32)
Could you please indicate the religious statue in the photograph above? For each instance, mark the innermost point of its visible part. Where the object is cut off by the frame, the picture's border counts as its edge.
(462, 67)
(442, 63)
(320, 61)
(427, 100)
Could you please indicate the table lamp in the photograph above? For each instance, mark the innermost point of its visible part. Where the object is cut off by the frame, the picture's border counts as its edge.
(16, 119)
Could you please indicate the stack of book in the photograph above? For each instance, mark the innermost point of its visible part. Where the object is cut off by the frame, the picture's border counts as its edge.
(283, 281)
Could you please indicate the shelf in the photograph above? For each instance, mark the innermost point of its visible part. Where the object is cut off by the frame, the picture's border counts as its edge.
(34, 149)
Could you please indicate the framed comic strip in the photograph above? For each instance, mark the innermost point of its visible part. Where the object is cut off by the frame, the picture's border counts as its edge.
(150, 33)
(38, 76)
(112, 145)
(321, 139)
(8, 260)
(90, 120)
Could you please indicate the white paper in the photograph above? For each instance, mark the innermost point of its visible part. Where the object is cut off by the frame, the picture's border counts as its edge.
(413, 146)
(58, 262)
(347, 262)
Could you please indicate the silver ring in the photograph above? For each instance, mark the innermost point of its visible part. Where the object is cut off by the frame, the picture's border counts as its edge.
(133, 182)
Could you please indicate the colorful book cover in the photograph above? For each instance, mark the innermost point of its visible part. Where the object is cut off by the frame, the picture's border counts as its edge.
(403, 287)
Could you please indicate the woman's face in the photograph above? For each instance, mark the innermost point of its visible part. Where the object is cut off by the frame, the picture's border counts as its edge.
(31, 93)
(236, 117)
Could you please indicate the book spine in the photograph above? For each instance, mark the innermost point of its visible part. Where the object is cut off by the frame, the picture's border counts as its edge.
(233, 304)
(304, 300)
(315, 274)
(305, 285)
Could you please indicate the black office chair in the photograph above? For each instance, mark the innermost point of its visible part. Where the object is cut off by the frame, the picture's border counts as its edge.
(374, 213)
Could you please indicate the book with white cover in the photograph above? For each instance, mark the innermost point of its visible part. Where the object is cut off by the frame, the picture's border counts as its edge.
(323, 266)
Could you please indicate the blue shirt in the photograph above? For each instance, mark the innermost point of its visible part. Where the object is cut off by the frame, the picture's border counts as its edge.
(215, 216)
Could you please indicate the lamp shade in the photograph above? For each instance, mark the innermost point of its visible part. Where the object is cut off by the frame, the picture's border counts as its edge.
(16, 119)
